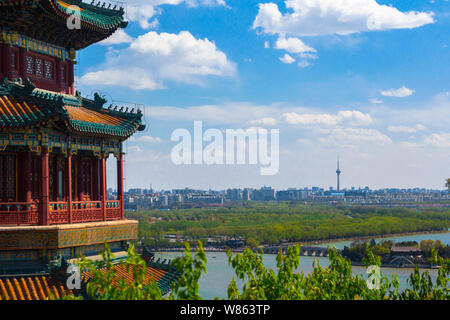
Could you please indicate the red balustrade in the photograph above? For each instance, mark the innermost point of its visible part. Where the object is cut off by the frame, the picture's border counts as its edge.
(113, 210)
(27, 213)
(87, 211)
(59, 213)
(18, 213)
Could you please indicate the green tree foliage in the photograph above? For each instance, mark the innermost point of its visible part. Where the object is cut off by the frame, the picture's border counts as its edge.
(358, 250)
(335, 282)
(268, 223)
(252, 243)
(263, 283)
(190, 270)
(101, 285)
(423, 288)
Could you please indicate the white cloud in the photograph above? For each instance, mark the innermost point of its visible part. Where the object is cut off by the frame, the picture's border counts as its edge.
(293, 45)
(133, 77)
(406, 129)
(135, 149)
(234, 114)
(118, 37)
(438, 140)
(156, 57)
(348, 116)
(375, 101)
(351, 137)
(148, 139)
(287, 59)
(266, 44)
(326, 17)
(303, 64)
(330, 17)
(142, 14)
(264, 121)
(398, 93)
(298, 47)
(435, 140)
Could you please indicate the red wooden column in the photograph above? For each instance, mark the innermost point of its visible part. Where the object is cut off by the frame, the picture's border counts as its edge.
(69, 184)
(7, 61)
(22, 69)
(96, 179)
(120, 196)
(44, 203)
(70, 80)
(80, 180)
(58, 74)
(27, 174)
(104, 195)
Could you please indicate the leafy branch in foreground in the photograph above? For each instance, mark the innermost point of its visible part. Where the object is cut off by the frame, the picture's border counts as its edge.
(103, 283)
(190, 269)
(263, 283)
(423, 288)
(334, 282)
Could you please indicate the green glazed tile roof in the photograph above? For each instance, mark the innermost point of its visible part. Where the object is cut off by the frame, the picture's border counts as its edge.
(23, 105)
(96, 16)
(102, 15)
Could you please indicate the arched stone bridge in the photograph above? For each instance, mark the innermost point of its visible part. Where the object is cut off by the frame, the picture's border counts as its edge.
(307, 251)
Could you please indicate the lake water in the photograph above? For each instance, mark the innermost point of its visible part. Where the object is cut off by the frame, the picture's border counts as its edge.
(219, 273)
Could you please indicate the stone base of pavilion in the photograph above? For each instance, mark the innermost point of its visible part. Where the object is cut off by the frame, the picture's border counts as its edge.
(32, 249)
(66, 236)
(34, 260)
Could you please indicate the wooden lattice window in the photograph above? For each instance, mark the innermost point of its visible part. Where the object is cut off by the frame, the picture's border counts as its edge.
(29, 65)
(87, 177)
(14, 60)
(38, 63)
(48, 70)
(8, 182)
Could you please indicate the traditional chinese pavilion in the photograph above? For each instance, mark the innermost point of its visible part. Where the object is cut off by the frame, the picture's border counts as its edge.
(53, 148)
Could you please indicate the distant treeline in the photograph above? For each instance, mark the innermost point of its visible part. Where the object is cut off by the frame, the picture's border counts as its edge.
(270, 223)
(357, 250)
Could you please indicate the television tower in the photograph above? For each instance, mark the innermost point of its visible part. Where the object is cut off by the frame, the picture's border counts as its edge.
(338, 172)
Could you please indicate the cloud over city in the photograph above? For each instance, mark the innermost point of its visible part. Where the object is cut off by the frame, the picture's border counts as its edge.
(154, 58)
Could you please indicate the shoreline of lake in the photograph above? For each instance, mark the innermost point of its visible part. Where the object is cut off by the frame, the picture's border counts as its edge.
(337, 240)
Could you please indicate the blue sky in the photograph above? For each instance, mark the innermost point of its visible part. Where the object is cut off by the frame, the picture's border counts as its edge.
(365, 79)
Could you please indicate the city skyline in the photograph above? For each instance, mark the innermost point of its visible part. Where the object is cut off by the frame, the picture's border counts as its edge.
(371, 90)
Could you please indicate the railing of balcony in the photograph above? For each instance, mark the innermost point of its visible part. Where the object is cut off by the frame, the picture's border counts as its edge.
(113, 210)
(18, 213)
(24, 213)
(59, 213)
(87, 211)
